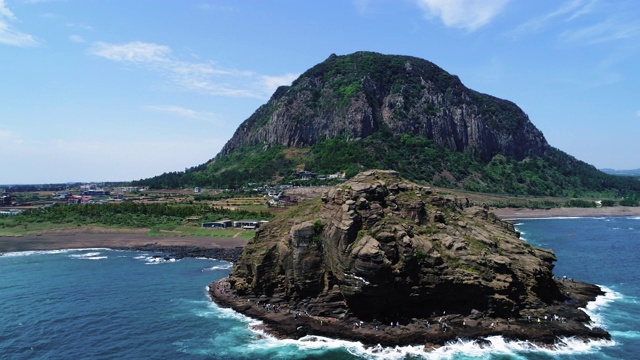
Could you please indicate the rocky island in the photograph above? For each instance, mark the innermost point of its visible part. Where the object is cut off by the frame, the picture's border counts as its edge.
(382, 260)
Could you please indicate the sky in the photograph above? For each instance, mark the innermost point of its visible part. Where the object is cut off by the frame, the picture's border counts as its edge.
(119, 90)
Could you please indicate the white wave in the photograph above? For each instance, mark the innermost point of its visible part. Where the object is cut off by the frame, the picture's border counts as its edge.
(453, 350)
(155, 260)
(491, 346)
(594, 308)
(219, 267)
(48, 252)
(227, 313)
(34, 252)
(89, 256)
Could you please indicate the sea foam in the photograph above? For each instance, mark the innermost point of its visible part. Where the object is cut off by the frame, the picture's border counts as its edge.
(494, 346)
(88, 256)
(466, 349)
(594, 308)
(48, 252)
(226, 266)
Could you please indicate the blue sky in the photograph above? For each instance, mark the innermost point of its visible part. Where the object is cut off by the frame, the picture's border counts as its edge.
(116, 90)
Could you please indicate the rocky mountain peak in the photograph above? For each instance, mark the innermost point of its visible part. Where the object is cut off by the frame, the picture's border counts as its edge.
(357, 95)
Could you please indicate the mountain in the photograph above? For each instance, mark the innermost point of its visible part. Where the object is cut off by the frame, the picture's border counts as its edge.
(380, 250)
(367, 110)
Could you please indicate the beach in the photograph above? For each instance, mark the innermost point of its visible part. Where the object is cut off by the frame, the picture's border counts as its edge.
(565, 212)
(95, 237)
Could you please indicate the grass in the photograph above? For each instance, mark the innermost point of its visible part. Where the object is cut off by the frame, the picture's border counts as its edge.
(32, 228)
(172, 230)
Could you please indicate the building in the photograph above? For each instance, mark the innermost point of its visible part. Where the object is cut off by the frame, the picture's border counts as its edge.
(247, 224)
(222, 224)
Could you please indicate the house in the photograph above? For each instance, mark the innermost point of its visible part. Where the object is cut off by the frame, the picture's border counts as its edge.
(305, 175)
(247, 224)
(222, 224)
(72, 200)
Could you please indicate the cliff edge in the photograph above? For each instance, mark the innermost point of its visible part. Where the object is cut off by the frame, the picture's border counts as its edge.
(382, 260)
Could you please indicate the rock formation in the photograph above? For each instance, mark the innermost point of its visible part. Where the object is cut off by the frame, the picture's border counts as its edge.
(359, 94)
(366, 110)
(382, 260)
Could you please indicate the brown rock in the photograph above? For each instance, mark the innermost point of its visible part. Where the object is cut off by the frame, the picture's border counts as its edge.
(389, 262)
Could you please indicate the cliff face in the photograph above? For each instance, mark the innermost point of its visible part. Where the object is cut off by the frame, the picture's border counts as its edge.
(379, 247)
(356, 95)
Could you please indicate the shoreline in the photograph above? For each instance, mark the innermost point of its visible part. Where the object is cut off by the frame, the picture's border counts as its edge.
(524, 213)
(222, 248)
(138, 239)
(229, 249)
(537, 326)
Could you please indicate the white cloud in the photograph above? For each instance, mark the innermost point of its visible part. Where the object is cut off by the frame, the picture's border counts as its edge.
(9, 138)
(133, 52)
(599, 22)
(638, 113)
(182, 112)
(463, 14)
(604, 31)
(570, 10)
(80, 26)
(204, 77)
(76, 38)
(6, 134)
(10, 35)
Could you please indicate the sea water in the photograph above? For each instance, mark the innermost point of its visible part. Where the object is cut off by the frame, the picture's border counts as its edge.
(106, 304)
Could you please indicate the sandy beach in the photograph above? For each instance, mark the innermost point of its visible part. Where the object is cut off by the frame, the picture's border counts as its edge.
(93, 237)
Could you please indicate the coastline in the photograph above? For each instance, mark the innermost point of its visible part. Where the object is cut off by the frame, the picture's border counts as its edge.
(137, 239)
(537, 326)
(460, 326)
(524, 213)
(126, 239)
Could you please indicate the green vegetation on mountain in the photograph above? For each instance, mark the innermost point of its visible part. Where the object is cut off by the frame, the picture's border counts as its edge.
(367, 110)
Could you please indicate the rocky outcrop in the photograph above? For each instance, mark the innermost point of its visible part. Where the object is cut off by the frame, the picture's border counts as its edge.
(378, 250)
(359, 94)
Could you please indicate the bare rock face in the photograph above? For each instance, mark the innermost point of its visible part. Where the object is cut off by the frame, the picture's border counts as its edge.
(381, 249)
(359, 94)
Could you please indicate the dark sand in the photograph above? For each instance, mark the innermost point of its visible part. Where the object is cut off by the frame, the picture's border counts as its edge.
(614, 211)
(83, 238)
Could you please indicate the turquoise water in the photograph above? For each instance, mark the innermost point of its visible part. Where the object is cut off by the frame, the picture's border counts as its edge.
(105, 304)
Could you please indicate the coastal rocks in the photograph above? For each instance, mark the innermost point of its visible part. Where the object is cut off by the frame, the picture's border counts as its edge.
(180, 252)
(379, 250)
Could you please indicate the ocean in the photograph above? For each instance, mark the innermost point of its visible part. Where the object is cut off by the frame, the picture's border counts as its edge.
(107, 304)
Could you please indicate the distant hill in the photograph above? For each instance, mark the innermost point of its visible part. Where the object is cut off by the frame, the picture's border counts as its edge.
(367, 110)
(634, 172)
